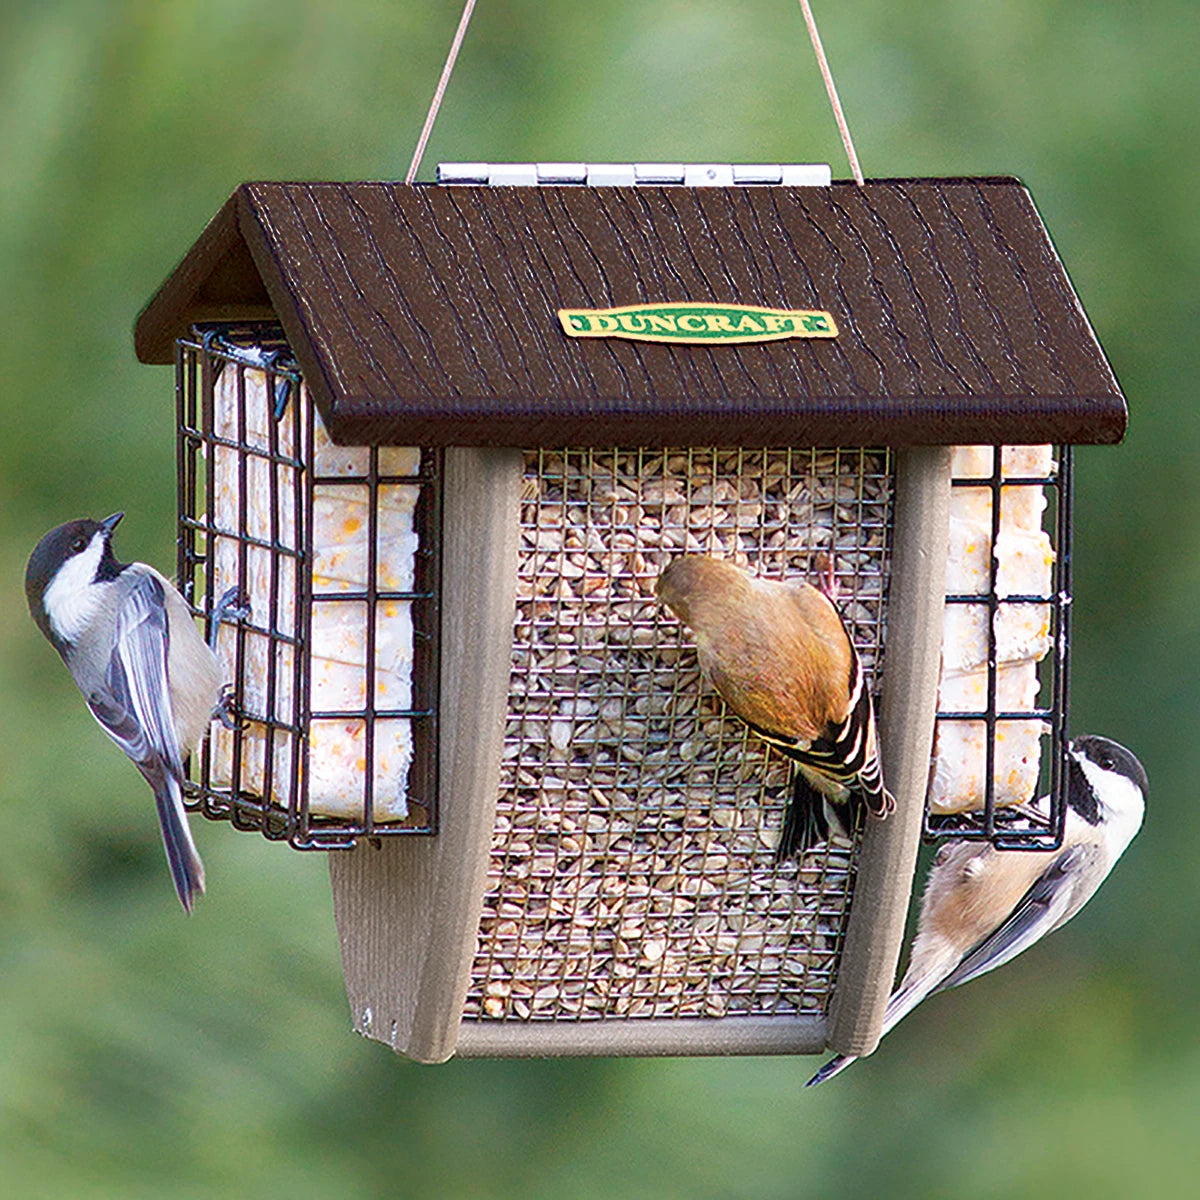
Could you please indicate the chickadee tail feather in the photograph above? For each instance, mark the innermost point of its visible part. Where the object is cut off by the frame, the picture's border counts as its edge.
(907, 996)
(187, 870)
(903, 1000)
(835, 1066)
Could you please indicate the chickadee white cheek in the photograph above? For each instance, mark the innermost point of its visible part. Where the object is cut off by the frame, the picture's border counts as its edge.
(72, 601)
(1121, 799)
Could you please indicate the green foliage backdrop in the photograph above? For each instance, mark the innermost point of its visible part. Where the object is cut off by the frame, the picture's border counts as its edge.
(142, 1054)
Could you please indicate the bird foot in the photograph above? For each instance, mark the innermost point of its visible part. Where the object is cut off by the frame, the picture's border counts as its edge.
(225, 712)
(826, 575)
(233, 606)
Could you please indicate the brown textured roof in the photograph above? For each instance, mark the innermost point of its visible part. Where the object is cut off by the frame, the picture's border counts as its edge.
(427, 314)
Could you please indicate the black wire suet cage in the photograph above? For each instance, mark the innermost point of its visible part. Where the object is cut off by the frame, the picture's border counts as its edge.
(334, 552)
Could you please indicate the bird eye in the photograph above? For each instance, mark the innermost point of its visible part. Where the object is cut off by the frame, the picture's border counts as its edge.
(78, 544)
(1107, 762)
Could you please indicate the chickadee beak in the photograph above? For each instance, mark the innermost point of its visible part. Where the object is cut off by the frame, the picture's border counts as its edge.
(110, 523)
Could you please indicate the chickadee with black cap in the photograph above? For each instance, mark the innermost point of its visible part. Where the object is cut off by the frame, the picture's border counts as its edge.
(781, 658)
(983, 906)
(133, 649)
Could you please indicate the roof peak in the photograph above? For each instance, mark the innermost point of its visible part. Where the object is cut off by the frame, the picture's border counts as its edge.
(432, 315)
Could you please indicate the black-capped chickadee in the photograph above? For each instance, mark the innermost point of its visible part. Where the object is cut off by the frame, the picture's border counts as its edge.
(983, 906)
(132, 647)
(780, 656)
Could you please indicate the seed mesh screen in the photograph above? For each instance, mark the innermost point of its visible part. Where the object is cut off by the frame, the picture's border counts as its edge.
(632, 864)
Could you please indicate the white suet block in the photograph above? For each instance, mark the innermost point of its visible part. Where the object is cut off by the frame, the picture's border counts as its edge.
(341, 519)
(1021, 631)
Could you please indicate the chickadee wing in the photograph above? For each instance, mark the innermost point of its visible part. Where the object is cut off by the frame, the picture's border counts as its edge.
(134, 705)
(1042, 909)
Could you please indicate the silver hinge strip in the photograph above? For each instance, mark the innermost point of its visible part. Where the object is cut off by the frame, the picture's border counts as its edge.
(631, 174)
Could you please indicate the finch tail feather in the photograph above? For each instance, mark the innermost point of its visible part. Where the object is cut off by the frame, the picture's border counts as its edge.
(807, 820)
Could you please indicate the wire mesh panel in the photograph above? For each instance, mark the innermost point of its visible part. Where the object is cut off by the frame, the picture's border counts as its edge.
(632, 868)
(1001, 738)
(320, 564)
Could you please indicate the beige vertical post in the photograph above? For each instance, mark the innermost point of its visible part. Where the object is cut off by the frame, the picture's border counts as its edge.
(408, 909)
(911, 669)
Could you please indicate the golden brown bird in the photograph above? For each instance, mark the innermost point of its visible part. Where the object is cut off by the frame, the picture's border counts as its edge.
(781, 659)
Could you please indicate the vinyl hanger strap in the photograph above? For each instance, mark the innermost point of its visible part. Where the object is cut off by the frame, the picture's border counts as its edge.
(469, 7)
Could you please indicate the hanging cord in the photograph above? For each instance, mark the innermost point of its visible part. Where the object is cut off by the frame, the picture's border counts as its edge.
(469, 7)
(831, 88)
(436, 103)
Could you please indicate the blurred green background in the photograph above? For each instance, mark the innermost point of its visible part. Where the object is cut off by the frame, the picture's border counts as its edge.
(143, 1054)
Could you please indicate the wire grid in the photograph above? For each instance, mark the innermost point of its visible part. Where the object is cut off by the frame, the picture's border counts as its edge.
(632, 867)
(1008, 491)
(247, 486)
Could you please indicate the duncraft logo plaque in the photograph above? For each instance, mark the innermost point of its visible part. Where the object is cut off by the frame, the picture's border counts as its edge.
(693, 322)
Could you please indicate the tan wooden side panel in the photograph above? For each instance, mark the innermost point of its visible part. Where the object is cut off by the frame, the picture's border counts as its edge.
(408, 911)
(908, 703)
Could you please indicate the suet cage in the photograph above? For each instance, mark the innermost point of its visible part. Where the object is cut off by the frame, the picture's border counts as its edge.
(427, 514)
(331, 554)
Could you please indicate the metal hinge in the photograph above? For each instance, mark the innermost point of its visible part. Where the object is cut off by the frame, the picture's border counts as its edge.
(629, 174)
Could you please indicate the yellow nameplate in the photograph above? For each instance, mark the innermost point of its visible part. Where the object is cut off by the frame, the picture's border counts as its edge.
(694, 322)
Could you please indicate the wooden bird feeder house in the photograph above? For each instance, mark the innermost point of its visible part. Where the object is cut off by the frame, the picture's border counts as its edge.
(443, 438)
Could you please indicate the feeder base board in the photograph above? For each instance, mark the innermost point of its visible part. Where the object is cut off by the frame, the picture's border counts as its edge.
(644, 1038)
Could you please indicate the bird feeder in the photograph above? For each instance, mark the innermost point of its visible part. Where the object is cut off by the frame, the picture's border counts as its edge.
(438, 441)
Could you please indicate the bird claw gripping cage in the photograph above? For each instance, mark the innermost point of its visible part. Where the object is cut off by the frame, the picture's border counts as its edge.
(425, 442)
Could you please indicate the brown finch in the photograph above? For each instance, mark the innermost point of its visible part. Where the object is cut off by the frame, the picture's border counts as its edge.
(781, 659)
